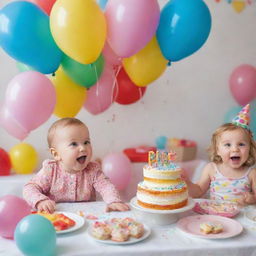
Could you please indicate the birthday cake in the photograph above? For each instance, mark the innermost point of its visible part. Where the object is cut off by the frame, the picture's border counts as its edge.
(162, 187)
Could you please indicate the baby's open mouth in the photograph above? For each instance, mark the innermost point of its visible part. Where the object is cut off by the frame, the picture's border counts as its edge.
(81, 159)
(235, 158)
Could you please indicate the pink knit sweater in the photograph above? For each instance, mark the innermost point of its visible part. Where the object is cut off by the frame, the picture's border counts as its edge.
(53, 183)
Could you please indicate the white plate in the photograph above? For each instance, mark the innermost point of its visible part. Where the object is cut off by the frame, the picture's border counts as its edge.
(250, 215)
(191, 225)
(131, 240)
(189, 206)
(78, 219)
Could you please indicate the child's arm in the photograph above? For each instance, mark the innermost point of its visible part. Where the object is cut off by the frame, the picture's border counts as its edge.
(249, 197)
(121, 207)
(199, 189)
(34, 192)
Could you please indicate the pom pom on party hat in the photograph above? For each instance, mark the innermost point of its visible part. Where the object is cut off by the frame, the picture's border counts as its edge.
(243, 117)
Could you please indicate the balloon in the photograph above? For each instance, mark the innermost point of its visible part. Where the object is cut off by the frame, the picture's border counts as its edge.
(232, 113)
(23, 67)
(102, 3)
(83, 74)
(100, 96)
(45, 5)
(161, 142)
(36, 236)
(242, 84)
(67, 92)
(25, 35)
(117, 167)
(79, 28)
(30, 98)
(146, 65)
(24, 158)
(11, 125)
(129, 29)
(253, 118)
(110, 56)
(126, 92)
(5, 163)
(12, 210)
(183, 29)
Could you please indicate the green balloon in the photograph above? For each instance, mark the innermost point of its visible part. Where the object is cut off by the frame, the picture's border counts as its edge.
(83, 74)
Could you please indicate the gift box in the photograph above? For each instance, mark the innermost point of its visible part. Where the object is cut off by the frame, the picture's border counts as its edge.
(139, 154)
(185, 149)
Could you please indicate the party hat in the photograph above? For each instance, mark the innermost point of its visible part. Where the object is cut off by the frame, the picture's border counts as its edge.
(243, 117)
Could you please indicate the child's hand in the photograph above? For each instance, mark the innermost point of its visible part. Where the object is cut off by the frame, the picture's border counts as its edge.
(246, 198)
(121, 207)
(46, 206)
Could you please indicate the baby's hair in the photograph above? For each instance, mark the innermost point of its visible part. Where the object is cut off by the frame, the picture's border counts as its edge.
(214, 157)
(61, 123)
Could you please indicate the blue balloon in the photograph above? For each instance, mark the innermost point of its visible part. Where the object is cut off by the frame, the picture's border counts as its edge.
(25, 35)
(35, 236)
(161, 142)
(184, 27)
(102, 4)
(232, 113)
(253, 118)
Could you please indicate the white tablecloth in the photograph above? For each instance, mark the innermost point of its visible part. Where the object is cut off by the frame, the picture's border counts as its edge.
(167, 240)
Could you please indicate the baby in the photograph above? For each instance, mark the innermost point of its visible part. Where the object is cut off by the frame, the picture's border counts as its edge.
(231, 175)
(71, 176)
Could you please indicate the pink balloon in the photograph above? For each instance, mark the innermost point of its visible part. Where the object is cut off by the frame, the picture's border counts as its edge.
(12, 210)
(117, 167)
(11, 125)
(30, 98)
(242, 84)
(110, 56)
(100, 95)
(129, 29)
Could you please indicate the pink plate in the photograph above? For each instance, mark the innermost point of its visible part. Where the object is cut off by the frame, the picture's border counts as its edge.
(225, 209)
(191, 226)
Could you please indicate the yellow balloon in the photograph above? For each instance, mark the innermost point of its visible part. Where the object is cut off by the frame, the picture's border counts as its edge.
(70, 97)
(79, 29)
(146, 65)
(24, 158)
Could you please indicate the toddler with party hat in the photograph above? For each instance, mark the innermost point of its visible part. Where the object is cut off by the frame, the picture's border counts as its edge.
(230, 175)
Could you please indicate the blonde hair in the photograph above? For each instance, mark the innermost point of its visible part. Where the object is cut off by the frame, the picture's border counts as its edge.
(61, 123)
(212, 150)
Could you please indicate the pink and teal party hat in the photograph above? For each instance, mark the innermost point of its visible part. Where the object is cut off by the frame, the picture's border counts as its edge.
(243, 117)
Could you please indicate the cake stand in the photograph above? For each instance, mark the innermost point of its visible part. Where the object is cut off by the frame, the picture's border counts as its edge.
(159, 217)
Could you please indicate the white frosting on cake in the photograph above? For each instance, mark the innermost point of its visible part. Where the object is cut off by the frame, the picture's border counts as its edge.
(166, 200)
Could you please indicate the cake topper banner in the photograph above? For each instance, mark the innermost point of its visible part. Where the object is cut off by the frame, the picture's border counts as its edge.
(160, 158)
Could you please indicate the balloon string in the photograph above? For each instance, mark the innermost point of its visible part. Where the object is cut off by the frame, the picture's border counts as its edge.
(115, 84)
(97, 88)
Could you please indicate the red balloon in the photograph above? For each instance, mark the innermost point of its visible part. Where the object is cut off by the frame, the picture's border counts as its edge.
(5, 163)
(46, 5)
(126, 92)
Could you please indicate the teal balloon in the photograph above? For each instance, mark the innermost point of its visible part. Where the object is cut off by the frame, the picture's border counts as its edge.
(253, 118)
(161, 142)
(83, 74)
(35, 236)
(23, 67)
(102, 4)
(183, 28)
(232, 113)
(25, 35)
